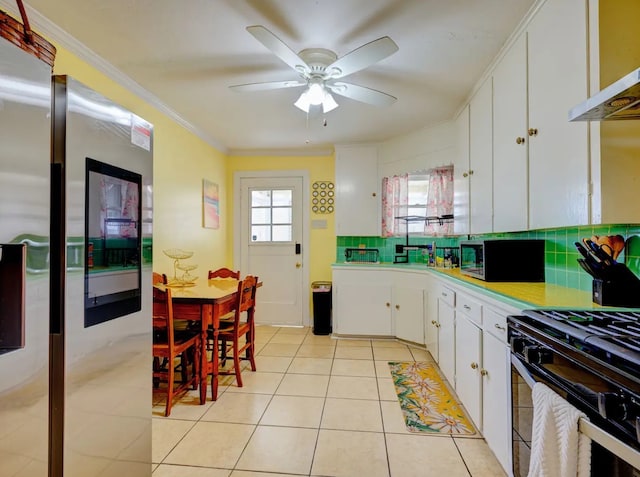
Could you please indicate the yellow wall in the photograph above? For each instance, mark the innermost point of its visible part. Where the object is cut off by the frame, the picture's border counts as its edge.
(322, 242)
(181, 161)
(619, 55)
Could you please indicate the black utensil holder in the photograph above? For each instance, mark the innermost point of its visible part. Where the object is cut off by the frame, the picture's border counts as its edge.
(620, 288)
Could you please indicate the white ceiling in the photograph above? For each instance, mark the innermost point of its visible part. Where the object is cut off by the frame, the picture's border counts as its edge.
(188, 52)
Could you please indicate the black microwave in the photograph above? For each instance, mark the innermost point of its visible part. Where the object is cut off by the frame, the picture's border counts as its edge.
(503, 260)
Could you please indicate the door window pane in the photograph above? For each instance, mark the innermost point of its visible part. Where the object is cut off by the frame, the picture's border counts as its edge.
(282, 197)
(260, 198)
(282, 233)
(260, 233)
(260, 216)
(282, 215)
(271, 215)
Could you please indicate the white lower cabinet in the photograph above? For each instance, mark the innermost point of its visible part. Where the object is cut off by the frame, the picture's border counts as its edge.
(362, 302)
(446, 333)
(379, 303)
(468, 362)
(431, 323)
(407, 306)
(481, 365)
(496, 374)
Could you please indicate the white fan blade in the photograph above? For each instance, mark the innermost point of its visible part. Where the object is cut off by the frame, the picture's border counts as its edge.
(362, 94)
(361, 57)
(267, 86)
(278, 48)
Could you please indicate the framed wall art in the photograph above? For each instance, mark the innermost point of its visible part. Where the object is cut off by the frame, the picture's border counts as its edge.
(210, 205)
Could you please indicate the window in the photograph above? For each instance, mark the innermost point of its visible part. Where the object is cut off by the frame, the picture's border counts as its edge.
(271, 215)
(420, 194)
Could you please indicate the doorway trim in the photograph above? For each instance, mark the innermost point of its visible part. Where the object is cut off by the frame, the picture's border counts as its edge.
(306, 252)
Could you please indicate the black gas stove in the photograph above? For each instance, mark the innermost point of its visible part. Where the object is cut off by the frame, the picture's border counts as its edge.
(612, 336)
(591, 358)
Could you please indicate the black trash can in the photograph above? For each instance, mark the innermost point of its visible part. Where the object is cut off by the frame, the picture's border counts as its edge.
(321, 308)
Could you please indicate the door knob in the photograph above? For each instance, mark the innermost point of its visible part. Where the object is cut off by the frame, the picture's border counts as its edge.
(484, 372)
(298, 264)
(474, 365)
(434, 322)
(388, 304)
(519, 140)
(397, 307)
(533, 131)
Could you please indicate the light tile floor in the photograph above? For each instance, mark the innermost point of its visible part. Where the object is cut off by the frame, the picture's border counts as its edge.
(317, 406)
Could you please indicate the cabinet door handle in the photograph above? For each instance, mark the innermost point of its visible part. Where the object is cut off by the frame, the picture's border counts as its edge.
(519, 140)
(533, 131)
(484, 372)
(373, 194)
(500, 327)
(388, 304)
(474, 365)
(434, 322)
(444, 294)
(438, 325)
(466, 307)
(465, 174)
(397, 307)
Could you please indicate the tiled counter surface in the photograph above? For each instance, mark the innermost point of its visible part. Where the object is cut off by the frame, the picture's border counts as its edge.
(518, 294)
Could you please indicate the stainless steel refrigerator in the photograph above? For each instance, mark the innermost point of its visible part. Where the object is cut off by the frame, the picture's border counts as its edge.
(75, 277)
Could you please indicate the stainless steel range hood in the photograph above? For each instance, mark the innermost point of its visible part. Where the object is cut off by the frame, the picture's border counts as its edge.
(620, 100)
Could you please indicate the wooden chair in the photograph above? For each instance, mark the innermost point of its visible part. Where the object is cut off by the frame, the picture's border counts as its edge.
(224, 273)
(159, 278)
(231, 332)
(169, 343)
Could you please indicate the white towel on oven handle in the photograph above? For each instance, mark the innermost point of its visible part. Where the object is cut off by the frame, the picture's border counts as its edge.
(557, 448)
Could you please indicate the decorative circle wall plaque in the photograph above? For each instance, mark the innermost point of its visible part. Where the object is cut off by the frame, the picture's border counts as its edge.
(322, 197)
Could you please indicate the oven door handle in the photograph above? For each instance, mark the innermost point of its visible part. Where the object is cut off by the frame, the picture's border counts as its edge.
(523, 371)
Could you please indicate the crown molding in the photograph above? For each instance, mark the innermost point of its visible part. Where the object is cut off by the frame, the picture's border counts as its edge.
(57, 35)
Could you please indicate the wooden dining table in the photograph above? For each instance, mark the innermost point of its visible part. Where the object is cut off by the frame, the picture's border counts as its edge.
(205, 301)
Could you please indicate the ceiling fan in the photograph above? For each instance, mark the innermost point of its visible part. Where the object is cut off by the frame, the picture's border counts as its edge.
(320, 69)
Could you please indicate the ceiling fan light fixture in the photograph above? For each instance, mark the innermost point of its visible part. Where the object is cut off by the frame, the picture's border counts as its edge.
(316, 93)
(329, 104)
(303, 102)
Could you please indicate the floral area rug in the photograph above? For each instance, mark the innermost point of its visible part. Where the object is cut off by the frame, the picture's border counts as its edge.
(426, 402)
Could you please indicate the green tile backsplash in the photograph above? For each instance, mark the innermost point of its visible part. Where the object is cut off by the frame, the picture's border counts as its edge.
(561, 265)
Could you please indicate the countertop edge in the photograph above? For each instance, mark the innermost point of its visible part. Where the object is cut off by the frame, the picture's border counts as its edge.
(555, 294)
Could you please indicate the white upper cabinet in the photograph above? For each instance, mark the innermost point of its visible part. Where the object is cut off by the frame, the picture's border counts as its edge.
(510, 179)
(357, 191)
(541, 160)
(558, 149)
(480, 160)
(461, 173)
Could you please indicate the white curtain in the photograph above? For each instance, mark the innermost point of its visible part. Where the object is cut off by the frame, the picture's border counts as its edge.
(395, 196)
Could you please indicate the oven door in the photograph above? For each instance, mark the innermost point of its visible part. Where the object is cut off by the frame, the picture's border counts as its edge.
(610, 456)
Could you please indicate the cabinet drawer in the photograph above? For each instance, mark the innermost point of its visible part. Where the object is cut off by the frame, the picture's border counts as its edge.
(469, 307)
(447, 295)
(496, 324)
